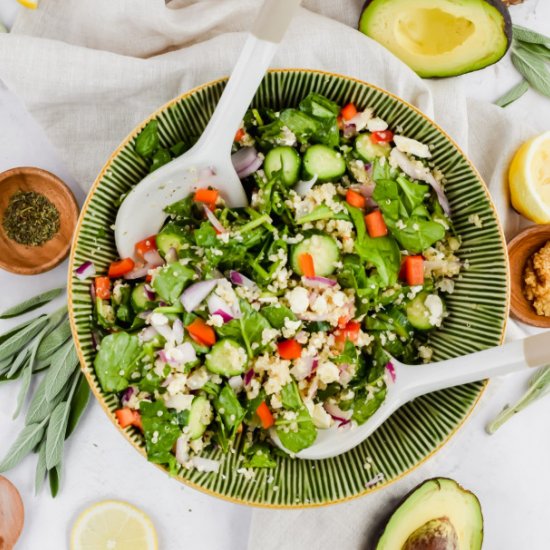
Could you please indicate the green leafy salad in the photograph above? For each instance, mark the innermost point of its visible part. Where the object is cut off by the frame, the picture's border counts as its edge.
(231, 326)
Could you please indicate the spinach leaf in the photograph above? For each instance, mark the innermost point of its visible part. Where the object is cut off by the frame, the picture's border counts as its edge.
(206, 236)
(148, 140)
(160, 158)
(413, 194)
(161, 430)
(170, 280)
(384, 254)
(381, 170)
(299, 432)
(259, 455)
(116, 360)
(301, 124)
(358, 219)
(276, 315)
(319, 106)
(253, 323)
(229, 410)
(417, 234)
(386, 194)
(182, 208)
(365, 404)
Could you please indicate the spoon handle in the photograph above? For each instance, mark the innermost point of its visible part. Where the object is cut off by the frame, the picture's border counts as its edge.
(515, 356)
(254, 60)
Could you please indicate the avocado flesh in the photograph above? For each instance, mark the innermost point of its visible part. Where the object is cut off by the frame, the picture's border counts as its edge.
(438, 38)
(438, 515)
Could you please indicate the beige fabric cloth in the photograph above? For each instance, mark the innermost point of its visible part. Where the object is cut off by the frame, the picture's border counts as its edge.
(90, 70)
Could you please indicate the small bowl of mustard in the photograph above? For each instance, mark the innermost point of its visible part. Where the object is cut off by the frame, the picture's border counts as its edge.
(530, 276)
(38, 215)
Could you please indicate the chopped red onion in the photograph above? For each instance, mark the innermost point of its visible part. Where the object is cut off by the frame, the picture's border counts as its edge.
(418, 171)
(304, 187)
(87, 269)
(149, 292)
(316, 282)
(206, 464)
(153, 258)
(246, 161)
(218, 306)
(147, 334)
(366, 189)
(182, 454)
(127, 395)
(342, 417)
(179, 355)
(224, 315)
(349, 130)
(391, 370)
(193, 296)
(171, 256)
(137, 273)
(164, 330)
(144, 314)
(240, 280)
(213, 220)
(248, 376)
(177, 330)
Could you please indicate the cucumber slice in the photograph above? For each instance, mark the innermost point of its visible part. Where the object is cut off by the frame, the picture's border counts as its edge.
(424, 315)
(323, 249)
(140, 299)
(105, 313)
(200, 416)
(171, 236)
(227, 358)
(324, 162)
(368, 150)
(285, 158)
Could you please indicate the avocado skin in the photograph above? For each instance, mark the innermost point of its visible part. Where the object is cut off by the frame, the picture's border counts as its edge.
(497, 4)
(437, 480)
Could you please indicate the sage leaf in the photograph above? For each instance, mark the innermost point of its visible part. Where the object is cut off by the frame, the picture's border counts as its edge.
(40, 408)
(32, 303)
(514, 94)
(55, 480)
(60, 372)
(532, 69)
(527, 35)
(79, 403)
(5, 365)
(12, 331)
(21, 338)
(41, 469)
(24, 389)
(55, 435)
(537, 49)
(54, 340)
(539, 386)
(29, 437)
(18, 363)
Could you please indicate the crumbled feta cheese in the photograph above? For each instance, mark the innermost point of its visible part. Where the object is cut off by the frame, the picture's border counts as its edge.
(377, 125)
(291, 328)
(328, 372)
(298, 299)
(198, 379)
(320, 417)
(215, 320)
(412, 146)
(179, 401)
(425, 353)
(287, 137)
(434, 305)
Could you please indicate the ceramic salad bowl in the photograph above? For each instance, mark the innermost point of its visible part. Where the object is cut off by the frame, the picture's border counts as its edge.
(478, 308)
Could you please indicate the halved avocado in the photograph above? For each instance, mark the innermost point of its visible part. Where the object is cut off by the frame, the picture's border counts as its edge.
(438, 515)
(438, 38)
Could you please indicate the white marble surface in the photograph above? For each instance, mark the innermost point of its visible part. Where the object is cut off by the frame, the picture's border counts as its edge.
(509, 471)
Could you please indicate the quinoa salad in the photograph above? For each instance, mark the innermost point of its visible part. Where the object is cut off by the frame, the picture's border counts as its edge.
(232, 326)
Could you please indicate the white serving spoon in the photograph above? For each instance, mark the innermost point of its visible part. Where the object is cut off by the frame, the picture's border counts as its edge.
(142, 212)
(411, 381)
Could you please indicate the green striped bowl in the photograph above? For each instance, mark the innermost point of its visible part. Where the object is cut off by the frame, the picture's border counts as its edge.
(478, 308)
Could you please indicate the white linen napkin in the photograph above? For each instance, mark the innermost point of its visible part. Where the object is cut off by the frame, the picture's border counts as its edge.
(89, 71)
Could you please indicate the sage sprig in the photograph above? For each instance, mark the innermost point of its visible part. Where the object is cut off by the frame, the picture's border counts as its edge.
(61, 396)
(530, 56)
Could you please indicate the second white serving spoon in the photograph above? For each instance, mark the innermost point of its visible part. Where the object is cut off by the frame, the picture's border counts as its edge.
(411, 381)
(142, 211)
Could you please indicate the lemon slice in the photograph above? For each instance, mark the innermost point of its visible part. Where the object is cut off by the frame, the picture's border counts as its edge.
(31, 4)
(529, 178)
(113, 525)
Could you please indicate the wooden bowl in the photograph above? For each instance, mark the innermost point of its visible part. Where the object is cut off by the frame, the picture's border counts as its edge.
(30, 260)
(520, 249)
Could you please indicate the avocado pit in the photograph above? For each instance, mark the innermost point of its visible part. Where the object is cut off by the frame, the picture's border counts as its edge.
(436, 534)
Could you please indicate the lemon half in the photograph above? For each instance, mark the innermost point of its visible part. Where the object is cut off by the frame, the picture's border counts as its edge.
(113, 525)
(529, 178)
(31, 4)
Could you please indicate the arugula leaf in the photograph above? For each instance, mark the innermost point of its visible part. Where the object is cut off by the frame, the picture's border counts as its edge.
(182, 208)
(321, 212)
(416, 234)
(300, 123)
(170, 280)
(206, 236)
(161, 431)
(276, 315)
(116, 360)
(384, 254)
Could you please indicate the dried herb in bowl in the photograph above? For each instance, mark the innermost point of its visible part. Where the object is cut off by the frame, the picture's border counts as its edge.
(30, 219)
